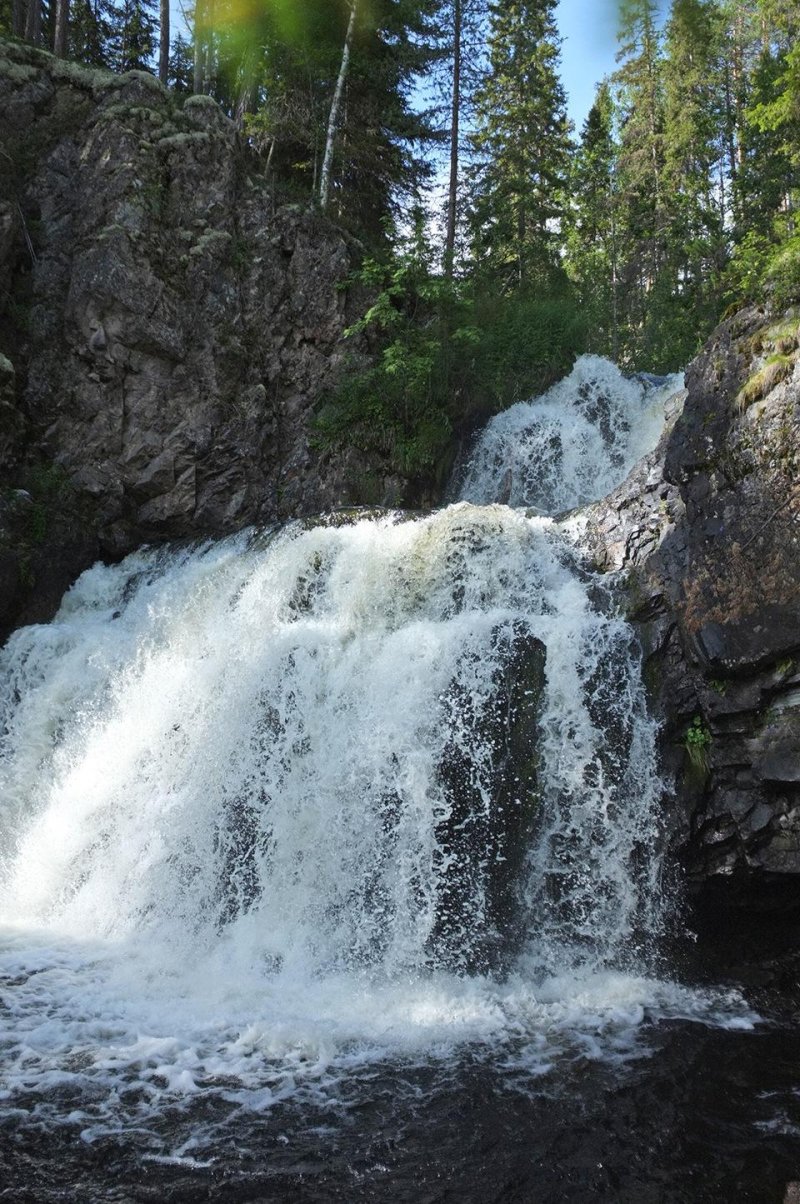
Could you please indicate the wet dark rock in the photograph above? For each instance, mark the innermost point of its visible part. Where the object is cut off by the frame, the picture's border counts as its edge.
(492, 805)
(167, 330)
(707, 529)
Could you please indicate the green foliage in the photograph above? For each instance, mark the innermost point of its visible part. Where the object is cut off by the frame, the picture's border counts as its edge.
(764, 268)
(523, 343)
(686, 183)
(697, 742)
(275, 67)
(91, 30)
(180, 65)
(681, 195)
(521, 146)
(777, 367)
(746, 273)
(782, 272)
(443, 358)
(394, 407)
(592, 241)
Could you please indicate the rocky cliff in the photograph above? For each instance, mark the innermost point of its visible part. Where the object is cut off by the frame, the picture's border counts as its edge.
(167, 329)
(709, 529)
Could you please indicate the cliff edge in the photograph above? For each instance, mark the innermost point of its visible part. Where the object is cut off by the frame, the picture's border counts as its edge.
(167, 333)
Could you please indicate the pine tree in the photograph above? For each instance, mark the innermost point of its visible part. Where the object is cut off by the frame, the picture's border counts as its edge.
(779, 22)
(640, 100)
(692, 182)
(276, 67)
(521, 144)
(461, 43)
(740, 49)
(456, 25)
(767, 184)
(592, 236)
(90, 32)
(765, 174)
(378, 164)
(133, 39)
(179, 77)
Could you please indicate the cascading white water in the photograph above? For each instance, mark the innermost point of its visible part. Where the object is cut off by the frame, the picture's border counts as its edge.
(305, 797)
(573, 444)
(245, 744)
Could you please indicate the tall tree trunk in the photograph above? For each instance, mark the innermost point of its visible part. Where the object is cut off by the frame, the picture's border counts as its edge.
(163, 44)
(33, 22)
(452, 193)
(738, 87)
(18, 18)
(336, 104)
(730, 128)
(651, 50)
(615, 283)
(245, 96)
(199, 46)
(60, 34)
(209, 61)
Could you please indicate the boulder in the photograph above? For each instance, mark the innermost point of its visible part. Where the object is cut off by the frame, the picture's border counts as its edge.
(491, 804)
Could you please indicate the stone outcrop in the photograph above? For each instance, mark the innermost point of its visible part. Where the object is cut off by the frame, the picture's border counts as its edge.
(708, 528)
(167, 329)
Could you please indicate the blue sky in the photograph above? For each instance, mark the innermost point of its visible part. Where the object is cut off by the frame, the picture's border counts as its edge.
(589, 30)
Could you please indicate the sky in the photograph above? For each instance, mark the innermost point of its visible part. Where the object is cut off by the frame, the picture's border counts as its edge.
(589, 30)
(588, 51)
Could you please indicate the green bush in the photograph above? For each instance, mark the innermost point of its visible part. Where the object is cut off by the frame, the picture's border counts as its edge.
(697, 743)
(782, 273)
(441, 360)
(766, 269)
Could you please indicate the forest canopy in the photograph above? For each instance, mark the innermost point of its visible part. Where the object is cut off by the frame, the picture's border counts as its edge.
(497, 241)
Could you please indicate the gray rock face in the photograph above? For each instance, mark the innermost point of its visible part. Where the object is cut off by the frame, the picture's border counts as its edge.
(709, 529)
(168, 331)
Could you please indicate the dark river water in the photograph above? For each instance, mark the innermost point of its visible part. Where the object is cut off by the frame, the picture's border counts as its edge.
(701, 1115)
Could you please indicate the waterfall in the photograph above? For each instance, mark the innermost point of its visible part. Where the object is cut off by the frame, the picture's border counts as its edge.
(308, 795)
(573, 444)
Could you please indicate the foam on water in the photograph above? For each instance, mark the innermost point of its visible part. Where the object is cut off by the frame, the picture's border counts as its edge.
(286, 806)
(573, 444)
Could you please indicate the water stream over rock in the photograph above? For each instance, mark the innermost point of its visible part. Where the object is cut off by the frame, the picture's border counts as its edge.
(313, 822)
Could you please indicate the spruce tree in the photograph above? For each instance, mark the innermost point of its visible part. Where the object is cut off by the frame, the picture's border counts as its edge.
(133, 38)
(460, 45)
(592, 236)
(689, 296)
(739, 52)
(521, 144)
(179, 77)
(90, 32)
(640, 100)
